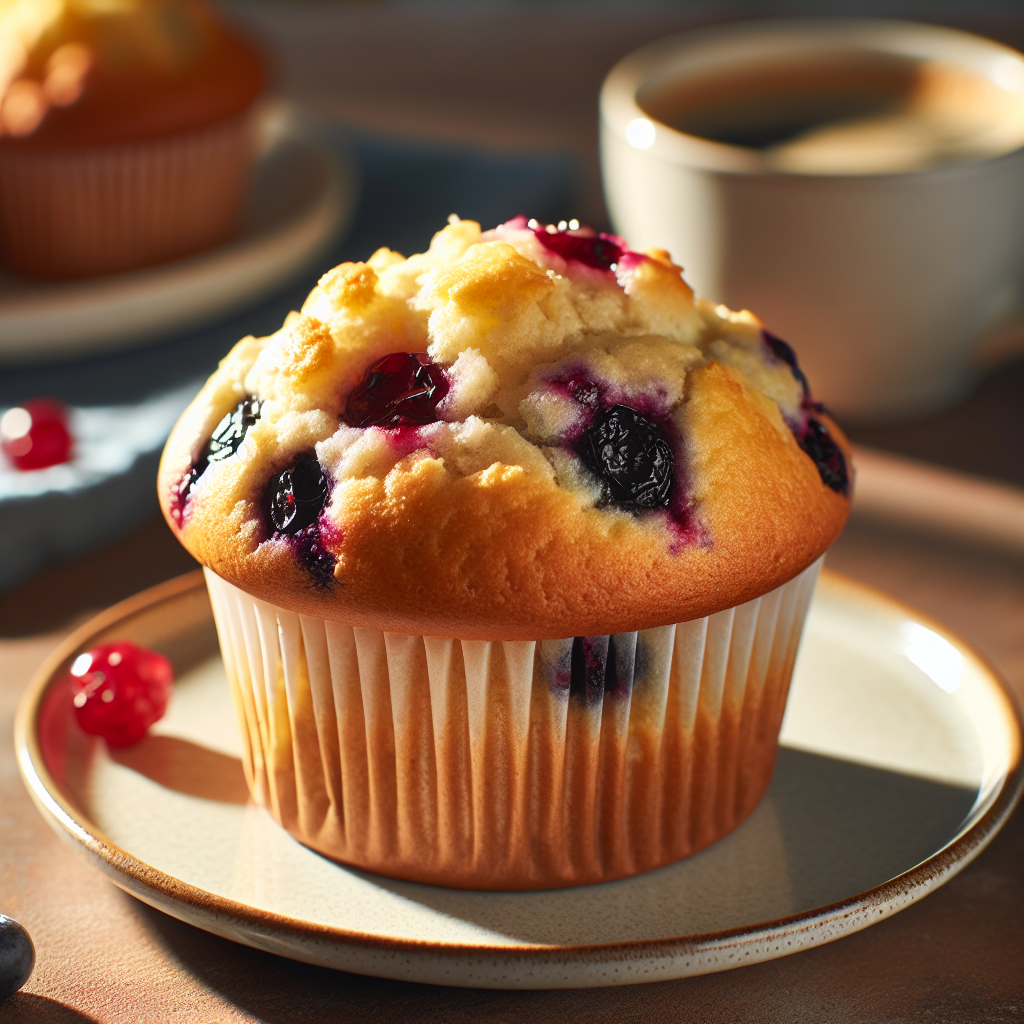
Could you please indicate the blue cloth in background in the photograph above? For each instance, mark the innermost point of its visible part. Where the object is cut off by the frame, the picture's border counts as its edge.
(407, 192)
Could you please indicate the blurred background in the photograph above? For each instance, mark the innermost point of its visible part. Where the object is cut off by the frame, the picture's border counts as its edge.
(513, 74)
(394, 115)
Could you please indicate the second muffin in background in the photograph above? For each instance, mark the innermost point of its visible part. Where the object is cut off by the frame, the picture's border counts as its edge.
(509, 545)
(126, 133)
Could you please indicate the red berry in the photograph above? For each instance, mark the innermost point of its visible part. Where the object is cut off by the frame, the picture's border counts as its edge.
(120, 690)
(600, 251)
(35, 434)
(401, 389)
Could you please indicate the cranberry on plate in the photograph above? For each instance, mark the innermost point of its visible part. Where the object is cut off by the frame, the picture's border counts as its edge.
(119, 690)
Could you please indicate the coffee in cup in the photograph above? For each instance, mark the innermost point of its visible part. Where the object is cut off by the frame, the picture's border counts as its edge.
(859, 183)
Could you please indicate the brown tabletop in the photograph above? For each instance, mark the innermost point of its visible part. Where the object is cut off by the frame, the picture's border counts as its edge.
(102, 956)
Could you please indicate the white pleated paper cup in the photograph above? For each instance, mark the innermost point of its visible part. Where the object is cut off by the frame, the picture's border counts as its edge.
(510, 764)
(89, 210)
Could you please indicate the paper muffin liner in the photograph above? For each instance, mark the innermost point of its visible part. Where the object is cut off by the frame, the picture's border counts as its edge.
(83, 211)
(510, 764)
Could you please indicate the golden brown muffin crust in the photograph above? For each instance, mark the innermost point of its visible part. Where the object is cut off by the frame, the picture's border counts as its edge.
(485, 525)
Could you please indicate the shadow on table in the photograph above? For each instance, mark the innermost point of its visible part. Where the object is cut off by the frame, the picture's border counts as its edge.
(25, 1008)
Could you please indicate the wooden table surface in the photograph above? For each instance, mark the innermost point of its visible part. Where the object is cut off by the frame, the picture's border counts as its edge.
(103, 956)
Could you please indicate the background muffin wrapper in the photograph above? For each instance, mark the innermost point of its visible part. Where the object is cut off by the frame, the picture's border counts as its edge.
(510, 764)
(79, 212)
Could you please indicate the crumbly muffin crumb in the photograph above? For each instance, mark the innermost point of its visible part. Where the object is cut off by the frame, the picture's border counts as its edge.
(569, 440)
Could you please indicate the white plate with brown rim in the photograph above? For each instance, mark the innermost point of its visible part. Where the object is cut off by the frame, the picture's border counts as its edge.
(900, 760)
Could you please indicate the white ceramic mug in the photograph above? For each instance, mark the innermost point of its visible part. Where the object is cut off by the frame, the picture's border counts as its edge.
(882, 282)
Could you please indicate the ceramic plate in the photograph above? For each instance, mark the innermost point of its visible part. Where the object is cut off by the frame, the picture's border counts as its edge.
(302, 196)
(900, 761)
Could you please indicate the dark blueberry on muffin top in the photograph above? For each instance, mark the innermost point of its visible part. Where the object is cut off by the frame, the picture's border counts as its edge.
(816, 441)
(297, 496)
(632, 459)
(227, 437)
(295, 500)
(784, 352)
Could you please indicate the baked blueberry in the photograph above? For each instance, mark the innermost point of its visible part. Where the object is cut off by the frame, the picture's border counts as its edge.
(295, 501)
(816, 441)
(313, 554)
(226, 439)
(633, 460)
(17, 956)
(784, 352)
(813, 436)
(402, 389)
(296, 496)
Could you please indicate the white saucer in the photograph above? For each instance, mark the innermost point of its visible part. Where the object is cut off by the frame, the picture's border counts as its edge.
(901, 760)
(302, 196)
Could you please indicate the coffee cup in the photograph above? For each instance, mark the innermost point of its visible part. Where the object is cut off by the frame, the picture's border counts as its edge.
(859, 184)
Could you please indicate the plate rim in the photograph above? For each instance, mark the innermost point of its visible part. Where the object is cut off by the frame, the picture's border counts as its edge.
(170, 894)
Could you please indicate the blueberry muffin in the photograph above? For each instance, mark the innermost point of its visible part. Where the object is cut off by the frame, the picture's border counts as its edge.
(509, 545)
(126, 133)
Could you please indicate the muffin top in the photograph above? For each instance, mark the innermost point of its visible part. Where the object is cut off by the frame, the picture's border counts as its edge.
(526, 433)
(97, 72)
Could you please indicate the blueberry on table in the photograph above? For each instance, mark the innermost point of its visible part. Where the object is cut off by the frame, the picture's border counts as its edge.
(227, 437)
(297, 496)
(402, 389)
(35, 435)
(119, 690)
(17, 956)
(633, 460)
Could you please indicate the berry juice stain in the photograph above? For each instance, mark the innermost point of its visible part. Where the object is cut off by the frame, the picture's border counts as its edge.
(589, 667)
(602, 667)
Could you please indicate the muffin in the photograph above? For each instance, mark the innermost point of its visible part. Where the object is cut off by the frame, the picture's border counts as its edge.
(509, 546)
(126, 134)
